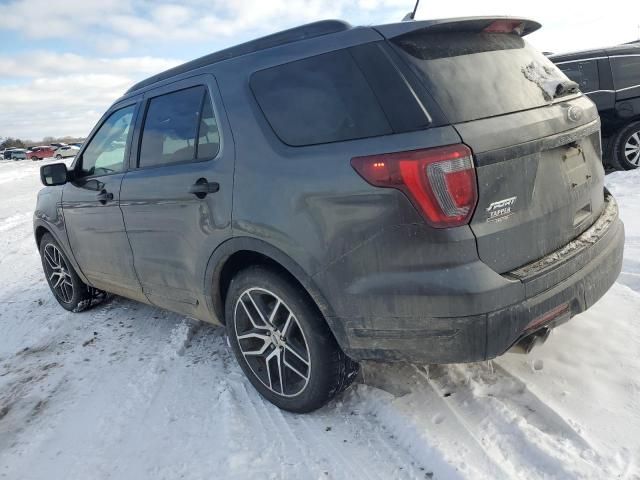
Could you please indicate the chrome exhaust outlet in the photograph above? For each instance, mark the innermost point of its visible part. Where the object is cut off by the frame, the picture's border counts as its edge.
(528, 342)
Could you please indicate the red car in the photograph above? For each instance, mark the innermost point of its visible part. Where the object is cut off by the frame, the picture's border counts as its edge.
(38, 153)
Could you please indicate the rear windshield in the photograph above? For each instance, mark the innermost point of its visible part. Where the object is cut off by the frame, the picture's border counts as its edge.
(478, 75)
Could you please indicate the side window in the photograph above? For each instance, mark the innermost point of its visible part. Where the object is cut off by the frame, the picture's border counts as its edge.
(106, 151)
(585, 74)
(321, 99)
(626, 71)
(208, 134)
(170, 127)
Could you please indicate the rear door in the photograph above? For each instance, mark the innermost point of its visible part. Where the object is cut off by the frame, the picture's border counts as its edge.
(535, 139)
(176, 198)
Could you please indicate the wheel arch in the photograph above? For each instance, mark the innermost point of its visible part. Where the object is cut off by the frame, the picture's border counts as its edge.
(40, 228)
(40, 232)
(241, 252)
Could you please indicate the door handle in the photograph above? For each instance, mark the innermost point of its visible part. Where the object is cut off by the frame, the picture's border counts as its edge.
(202, 187)
(104, 197)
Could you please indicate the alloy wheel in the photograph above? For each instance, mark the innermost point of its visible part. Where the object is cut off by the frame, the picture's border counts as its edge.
(58, 273)
(272, 342)
(632, 149)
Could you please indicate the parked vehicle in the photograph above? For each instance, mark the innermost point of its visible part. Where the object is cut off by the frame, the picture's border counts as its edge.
(611, 78)
(76, 144)
(58, 145)
(361, 194)
(40, 153)
(66, 151)
(15, 154)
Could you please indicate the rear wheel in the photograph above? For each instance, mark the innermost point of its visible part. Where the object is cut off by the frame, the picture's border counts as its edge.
(34, 158)
(282, 343)
(65, 284)
(625, 147)
(58, 157)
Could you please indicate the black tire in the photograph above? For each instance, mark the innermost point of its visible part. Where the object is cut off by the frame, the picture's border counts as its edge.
(35, 159)
(58, 157)
(81, 296)
(617, 157)
(329, 370)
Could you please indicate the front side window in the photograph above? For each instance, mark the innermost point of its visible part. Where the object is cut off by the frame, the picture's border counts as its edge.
(106, 151)
(626, 71)
(585, 74)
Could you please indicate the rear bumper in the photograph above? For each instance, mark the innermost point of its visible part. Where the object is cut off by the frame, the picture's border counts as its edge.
(566, 283)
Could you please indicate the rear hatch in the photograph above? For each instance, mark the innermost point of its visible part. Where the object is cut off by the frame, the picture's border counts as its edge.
(534, 137)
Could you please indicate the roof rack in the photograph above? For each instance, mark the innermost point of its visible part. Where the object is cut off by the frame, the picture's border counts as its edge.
(311, 30)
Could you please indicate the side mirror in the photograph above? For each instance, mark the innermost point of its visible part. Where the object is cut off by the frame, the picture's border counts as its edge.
(54, 174)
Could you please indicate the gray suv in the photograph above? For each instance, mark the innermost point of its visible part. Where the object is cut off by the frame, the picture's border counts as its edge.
(429, 191)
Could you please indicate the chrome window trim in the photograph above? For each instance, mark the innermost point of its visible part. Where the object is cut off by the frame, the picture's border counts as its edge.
(579, 60)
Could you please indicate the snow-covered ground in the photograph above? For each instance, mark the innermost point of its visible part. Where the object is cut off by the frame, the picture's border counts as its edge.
(127, 391)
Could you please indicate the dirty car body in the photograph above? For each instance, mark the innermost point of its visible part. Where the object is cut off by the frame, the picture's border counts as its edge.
(435, 187)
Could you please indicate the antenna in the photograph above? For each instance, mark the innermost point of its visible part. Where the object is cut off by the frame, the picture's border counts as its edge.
(411, 15)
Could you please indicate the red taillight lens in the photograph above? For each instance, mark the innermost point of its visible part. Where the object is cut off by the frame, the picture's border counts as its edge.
(441, 182)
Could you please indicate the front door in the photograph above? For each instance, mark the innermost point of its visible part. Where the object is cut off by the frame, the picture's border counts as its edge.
(92, 214)
(176, 198)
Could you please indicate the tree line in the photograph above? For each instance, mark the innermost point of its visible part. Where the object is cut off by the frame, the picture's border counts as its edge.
(11, 142)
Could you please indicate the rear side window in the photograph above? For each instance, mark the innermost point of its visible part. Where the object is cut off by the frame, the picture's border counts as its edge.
(626, 71)
(320, 99)
(585, 74)
(179, 127)
(208, 134)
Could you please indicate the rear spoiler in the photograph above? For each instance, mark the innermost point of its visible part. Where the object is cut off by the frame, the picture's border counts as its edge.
(521, 26)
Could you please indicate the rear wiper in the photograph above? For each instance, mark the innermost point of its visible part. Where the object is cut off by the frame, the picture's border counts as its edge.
(566, 88)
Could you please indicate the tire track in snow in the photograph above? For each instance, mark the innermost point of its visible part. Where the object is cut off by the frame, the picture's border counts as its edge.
(510, 435)
(425, 426)
(97, 426)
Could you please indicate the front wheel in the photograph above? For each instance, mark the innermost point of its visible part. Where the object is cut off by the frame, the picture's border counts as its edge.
(625, 147)
(65, 284)
(283, 343)
(58, 157)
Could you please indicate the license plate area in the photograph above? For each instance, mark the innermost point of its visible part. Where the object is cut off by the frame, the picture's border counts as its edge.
(575, 165)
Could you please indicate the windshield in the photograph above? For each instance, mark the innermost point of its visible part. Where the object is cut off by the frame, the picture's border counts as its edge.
(478, 75)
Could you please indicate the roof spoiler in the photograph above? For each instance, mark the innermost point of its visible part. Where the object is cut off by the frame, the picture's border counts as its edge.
(521, 26)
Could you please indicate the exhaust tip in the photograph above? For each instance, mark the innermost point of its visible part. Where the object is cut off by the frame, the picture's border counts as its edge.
(528, 342)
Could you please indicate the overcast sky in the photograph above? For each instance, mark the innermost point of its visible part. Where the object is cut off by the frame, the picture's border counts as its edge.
(62, 62)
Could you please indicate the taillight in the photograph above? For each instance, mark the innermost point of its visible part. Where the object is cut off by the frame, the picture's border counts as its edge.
(441, 182)
(505, 26)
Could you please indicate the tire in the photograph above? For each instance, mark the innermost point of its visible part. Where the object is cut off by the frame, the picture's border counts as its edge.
(313, 366)
(58, 157)
(72, 293)
(35, 159)
(624, 153)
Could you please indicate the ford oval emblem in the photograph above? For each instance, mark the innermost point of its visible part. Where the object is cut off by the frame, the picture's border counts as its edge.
(574, 114)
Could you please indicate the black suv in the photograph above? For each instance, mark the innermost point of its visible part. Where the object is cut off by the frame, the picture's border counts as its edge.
(428, 191)
(611, 78)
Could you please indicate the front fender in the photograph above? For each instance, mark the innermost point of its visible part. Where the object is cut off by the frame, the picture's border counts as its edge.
(49, 216)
